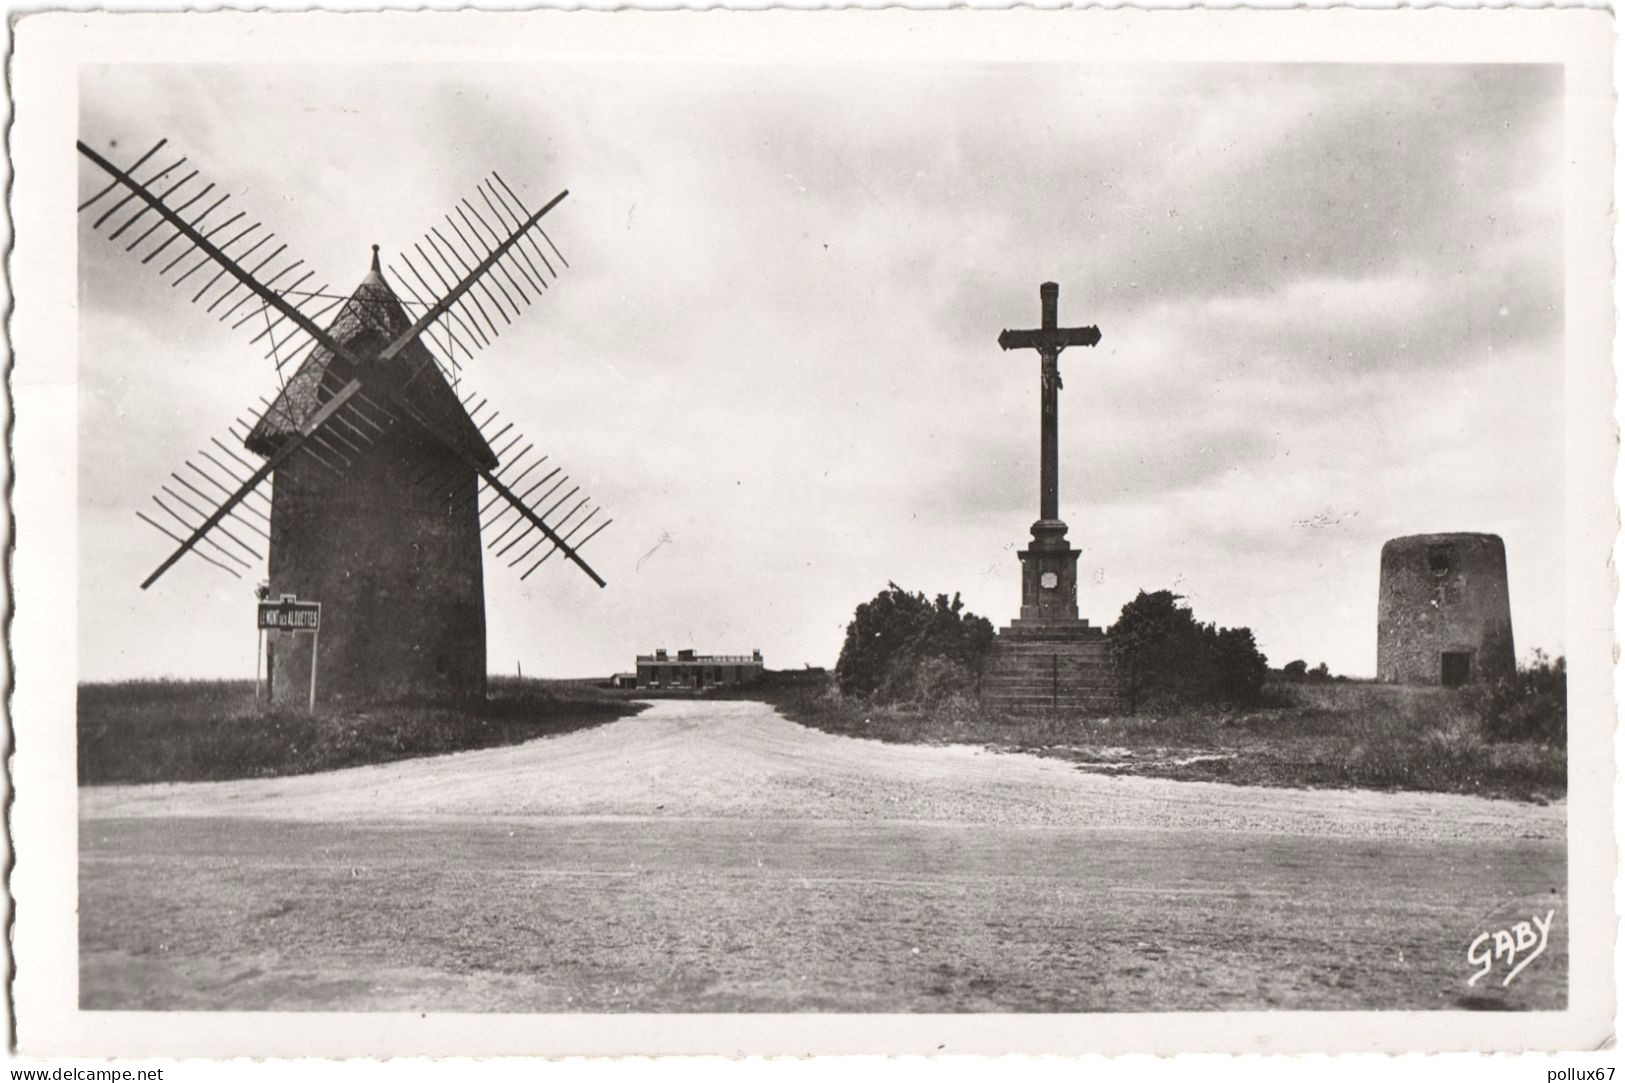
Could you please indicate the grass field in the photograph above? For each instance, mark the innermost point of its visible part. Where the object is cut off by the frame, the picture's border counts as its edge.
(1340, 734)
(194, 731)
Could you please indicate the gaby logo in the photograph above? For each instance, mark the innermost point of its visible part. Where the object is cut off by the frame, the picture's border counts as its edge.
(1512, 945)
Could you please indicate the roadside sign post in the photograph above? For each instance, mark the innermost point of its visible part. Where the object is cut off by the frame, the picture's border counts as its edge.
(289, 614)
(315, 653)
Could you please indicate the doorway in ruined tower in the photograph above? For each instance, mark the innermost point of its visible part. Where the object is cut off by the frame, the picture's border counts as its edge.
(1455, 668)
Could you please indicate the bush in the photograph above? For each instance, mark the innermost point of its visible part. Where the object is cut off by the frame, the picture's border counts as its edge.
(1236, 668)
(902, 647)
(1529, 705)
(1165, 657)
(1297, 671)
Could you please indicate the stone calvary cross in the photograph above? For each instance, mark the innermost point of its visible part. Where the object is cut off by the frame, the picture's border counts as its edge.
(1049, 587)
(1049, 341)
(1048, 659)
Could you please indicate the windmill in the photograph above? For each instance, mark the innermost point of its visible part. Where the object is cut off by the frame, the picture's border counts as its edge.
(371, 480)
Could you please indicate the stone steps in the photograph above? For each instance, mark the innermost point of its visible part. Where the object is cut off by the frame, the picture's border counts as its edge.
(1064, 650)
(1047, 662)
(1079, 652)
(1034, 690)
(1046, 681)
(1037, 668)
(1038, 633)
(1024, 704)
(1044, 689)
(1046, 677)
(1015, 702)
(1091, 707)
(1034, 662)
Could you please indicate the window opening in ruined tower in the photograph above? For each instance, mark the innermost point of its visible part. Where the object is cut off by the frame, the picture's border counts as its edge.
(1455, 668)
(1439, 561)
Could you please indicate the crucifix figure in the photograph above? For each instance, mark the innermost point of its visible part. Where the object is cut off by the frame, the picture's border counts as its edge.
(1049, 565)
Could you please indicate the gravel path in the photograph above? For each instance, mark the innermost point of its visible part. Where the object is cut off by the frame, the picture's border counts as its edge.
(732, 760)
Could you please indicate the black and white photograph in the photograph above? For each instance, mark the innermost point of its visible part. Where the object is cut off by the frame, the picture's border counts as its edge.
(969, 519)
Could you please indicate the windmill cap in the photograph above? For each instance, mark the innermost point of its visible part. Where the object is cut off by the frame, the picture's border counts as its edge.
(372, 315)
(375, 274)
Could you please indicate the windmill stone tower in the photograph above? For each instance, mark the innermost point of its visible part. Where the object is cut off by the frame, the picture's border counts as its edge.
(1443, 615)
(390, 545)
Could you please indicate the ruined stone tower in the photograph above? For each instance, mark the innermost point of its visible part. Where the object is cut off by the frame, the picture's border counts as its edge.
(1443, 616)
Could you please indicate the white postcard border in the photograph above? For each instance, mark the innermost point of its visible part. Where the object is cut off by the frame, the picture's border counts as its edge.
(48, 52)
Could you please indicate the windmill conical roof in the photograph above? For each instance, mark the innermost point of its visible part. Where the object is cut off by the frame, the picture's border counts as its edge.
(372, 318)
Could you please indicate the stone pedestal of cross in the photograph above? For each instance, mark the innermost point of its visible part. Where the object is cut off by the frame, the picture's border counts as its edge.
(1049, 566)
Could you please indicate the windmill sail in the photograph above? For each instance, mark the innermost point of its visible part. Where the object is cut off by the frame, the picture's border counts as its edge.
(207, 244)
(367, 371)
(490, 249)
(217, 514)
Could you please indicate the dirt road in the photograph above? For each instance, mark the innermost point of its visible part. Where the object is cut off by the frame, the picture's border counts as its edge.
(714, 857)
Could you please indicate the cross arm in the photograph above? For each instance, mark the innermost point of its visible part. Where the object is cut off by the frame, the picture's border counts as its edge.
(1056, 339)
(1076, 336)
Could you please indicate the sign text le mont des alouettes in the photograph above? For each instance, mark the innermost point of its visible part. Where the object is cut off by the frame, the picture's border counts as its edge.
(290, 616)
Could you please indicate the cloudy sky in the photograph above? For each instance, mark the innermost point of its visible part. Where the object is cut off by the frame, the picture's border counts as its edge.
(1331, 299)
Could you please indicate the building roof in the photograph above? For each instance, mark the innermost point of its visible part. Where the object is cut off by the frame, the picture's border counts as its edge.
(370, 320)
(701, 660)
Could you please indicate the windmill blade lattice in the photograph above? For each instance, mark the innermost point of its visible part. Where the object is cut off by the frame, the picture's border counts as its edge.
(494, 222)
(219, 491)
(229, 264)
(188, 512)
(522, 497)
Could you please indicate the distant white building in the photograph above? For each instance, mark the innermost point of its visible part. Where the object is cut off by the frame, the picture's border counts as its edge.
(696, 672)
